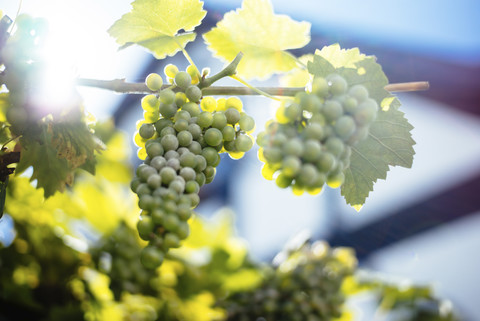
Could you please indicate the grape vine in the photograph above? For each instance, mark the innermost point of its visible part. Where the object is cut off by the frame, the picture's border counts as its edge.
(330, 128)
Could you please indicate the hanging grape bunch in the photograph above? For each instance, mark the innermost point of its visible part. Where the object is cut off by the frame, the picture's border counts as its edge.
(117, 254)
(306, 286)
(180, 140)
(309, 143)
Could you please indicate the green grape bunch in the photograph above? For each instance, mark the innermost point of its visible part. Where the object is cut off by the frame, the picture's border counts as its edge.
(180, 140)
(117, 255)
(306, 286)
(310, 141)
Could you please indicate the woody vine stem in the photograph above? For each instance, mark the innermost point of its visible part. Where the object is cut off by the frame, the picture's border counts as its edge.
(121, 86)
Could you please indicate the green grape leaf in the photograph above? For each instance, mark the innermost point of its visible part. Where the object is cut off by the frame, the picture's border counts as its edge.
(261, 35)
(154, 24)
(388, 144)
(62, 147)
(320, 66)
(52, 173)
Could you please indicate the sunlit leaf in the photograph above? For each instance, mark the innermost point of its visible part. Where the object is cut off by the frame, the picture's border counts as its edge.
(261, 35)
(155, 25)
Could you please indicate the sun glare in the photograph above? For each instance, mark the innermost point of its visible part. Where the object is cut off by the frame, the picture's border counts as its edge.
(74, 47)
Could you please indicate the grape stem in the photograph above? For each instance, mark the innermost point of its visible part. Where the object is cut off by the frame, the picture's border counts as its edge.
(121, 86)
(185, 53)
(228, 71)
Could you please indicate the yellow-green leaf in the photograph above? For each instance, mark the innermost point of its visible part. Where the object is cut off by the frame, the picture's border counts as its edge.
(154, 24)
(261, 35)
(339, 58)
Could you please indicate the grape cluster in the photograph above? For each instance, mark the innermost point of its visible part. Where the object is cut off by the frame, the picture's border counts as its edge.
(117, 254)
(307, 286)
(309, 143)
(180, 140)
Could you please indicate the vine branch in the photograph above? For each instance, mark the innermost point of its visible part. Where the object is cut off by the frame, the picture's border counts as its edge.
(121, 86)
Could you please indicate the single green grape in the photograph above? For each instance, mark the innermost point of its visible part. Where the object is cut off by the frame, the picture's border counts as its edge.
(169, 142)
(344, 127)
(146, 131)
(294, 147)
(182, 114)
(359, 92)
(208, 104)
(332, 110)
(180, 99)
(205, 119)
(180, 125)
(166, 96)
(154, 181)
(291, 166)
(154, 82)
(335, 146)
(293, 111)
(145, 227)
(195, 130)
(170, 70)
(213, 136)
(320, 87)
(338, 85)
(313, 131)
(154, 149)
(228, 133)
(151, 257)
(167, 174)
(210, 155)
(150, 102)
(313, 150)
(243, 143)
(246, 123)
(145, 171)
(162, 123)
(283, 181)
(184, 137)
(188, 160)
(366, 112)
(193, 93)
(273, 154)
(232, 115)
(310, 103)
(192, 108)
(219, 120)
(183, 79)
(326, 162)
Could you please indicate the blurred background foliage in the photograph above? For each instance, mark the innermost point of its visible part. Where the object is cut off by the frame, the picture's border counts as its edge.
(75, 256)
